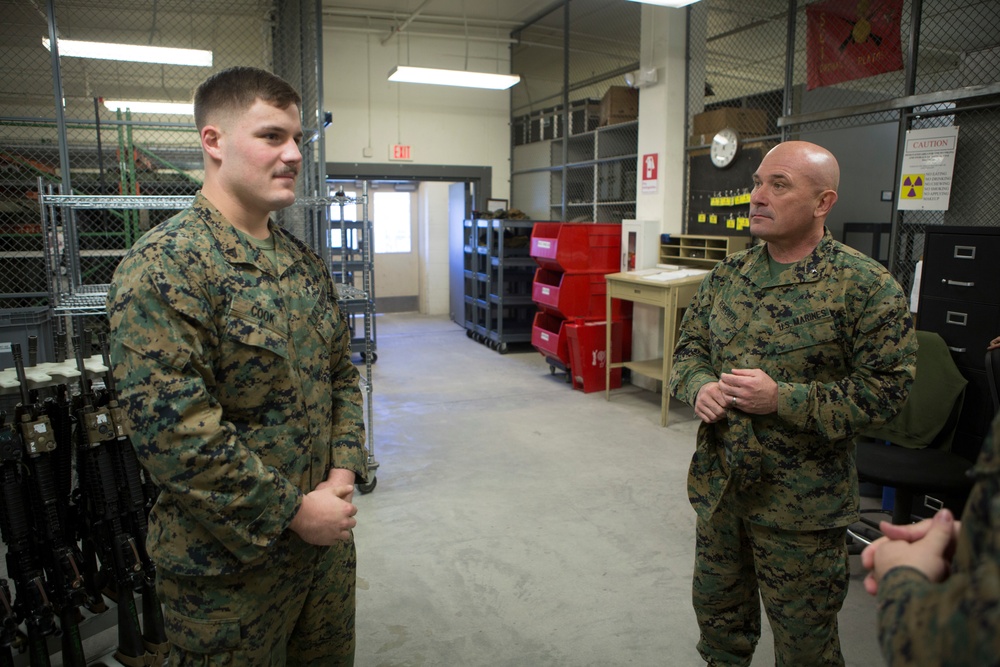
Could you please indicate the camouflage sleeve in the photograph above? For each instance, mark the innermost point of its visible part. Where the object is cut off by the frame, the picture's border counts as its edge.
(348, 441)
(692, 363)
(161, 342)
(882, 362)
(954, 623)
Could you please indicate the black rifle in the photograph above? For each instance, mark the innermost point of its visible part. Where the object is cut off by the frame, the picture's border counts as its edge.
(137, 495)
(31, 603)
(10, 633)
(58, 407)
(58, 554)
(102, 531)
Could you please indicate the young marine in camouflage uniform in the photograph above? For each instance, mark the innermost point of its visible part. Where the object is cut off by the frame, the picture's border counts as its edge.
(233, 362)
(938, 581)
(787, 351)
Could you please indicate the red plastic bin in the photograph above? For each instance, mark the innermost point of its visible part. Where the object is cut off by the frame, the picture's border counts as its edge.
(588, 357)
(577, 246)
(570, 294)
(548, 336)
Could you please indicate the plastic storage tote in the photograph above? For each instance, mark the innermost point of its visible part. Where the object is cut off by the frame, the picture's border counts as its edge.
(17, 325)
(575, 246)
(570, 294)
(589, 359)
(548, 336)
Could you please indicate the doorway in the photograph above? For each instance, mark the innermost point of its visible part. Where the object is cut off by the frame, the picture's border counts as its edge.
(441, 198)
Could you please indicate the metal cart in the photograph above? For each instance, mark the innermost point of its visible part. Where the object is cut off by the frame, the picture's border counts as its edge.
(349, 256)
(348, 259)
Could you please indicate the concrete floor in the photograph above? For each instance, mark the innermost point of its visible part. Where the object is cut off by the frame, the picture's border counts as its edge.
(519, 522)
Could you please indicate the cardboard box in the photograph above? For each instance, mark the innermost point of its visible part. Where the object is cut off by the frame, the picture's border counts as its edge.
(620, 104)
(748, 122)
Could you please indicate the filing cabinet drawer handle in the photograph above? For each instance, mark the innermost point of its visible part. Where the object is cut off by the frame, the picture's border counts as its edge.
(965, 252)
(957, 283)
(961, 319)
(957, 350)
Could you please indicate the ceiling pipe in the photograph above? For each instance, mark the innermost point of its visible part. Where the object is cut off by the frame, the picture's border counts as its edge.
(433, 35)
(424, 18)
(395, 31)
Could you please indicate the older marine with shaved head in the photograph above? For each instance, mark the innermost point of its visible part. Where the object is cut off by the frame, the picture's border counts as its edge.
(788, 351)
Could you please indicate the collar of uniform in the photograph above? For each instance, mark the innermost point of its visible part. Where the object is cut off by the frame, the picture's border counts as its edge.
(226, 236)
(806, 270)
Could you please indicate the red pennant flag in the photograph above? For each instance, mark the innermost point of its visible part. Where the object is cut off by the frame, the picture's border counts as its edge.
(852, 39)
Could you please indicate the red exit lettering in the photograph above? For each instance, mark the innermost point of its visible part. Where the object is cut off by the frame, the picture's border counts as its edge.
(399, 152)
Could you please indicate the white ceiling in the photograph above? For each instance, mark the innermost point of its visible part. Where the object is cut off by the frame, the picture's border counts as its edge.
(747, 44)
(433, 15)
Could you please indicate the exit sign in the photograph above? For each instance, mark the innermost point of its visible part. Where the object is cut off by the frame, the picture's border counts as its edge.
(399, 152)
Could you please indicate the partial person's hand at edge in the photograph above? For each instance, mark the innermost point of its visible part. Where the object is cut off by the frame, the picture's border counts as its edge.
(927, 546)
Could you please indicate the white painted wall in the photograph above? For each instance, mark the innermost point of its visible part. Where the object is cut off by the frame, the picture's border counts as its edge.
(661, 131)
(443, 125)
(662, 115)
(432, 204)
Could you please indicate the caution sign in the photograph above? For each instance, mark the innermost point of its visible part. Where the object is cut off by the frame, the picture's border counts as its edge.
(928, 167)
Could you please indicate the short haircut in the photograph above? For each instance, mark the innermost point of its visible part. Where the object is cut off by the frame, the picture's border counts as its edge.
(237, 88)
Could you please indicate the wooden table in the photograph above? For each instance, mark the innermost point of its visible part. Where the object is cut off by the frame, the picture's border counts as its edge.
(673, 296)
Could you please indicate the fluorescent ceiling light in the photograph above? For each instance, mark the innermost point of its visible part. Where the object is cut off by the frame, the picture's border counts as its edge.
(137, 106)
(453, 77)
(131, 52)
(667, 3)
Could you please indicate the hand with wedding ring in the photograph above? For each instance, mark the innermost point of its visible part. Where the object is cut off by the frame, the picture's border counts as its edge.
(750, 390)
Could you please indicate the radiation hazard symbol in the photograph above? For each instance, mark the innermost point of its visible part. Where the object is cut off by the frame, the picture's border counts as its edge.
(913, 186)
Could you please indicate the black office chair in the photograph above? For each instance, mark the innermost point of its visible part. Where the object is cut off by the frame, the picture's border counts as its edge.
(912, 452)
(993, 376)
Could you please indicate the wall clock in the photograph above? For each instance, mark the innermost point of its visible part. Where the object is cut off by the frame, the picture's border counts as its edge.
(725, 146)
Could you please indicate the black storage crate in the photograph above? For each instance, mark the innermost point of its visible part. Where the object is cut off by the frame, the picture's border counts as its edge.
(19, 324)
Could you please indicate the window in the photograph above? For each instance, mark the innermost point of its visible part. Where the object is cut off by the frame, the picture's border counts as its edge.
(391, 222)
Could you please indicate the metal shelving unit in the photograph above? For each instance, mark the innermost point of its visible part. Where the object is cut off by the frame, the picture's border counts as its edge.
(498, 278)
(71, 294)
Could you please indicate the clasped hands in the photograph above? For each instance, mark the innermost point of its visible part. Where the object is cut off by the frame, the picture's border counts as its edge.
(326, 514)
(748, 389)
(927, 546)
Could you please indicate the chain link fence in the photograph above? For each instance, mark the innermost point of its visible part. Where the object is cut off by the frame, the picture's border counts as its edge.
(958, 50)
(574, 120)
(750, 65)
(736, 80)
(101, 142)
